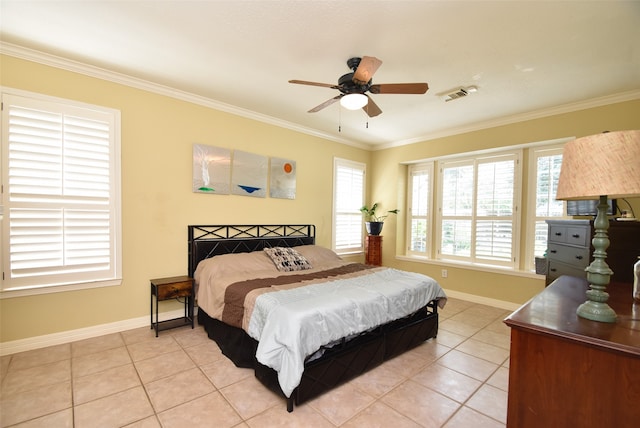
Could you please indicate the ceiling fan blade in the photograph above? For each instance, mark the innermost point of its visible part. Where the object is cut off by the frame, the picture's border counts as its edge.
(367, 67)
(304, 82)
(371, 108)
(325, 104)
(399, 88)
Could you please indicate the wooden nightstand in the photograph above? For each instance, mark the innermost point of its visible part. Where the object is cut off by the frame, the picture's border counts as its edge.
(172, 288)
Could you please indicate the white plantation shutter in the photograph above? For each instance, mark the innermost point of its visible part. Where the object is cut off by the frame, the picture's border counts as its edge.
(478, 217)
(457, 209)
(420, 191)
(348, 199)
(61, 193)
(545, 165)
(494, 210)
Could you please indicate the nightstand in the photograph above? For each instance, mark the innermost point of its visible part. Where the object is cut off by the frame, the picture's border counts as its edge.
(172, 288)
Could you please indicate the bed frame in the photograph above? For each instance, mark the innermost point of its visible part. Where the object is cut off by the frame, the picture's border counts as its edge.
(338, 364)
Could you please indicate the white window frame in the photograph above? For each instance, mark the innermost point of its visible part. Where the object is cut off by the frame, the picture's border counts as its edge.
(532, 217)
(68, 278)
(420, 205)
(474, 161)
(349, 208)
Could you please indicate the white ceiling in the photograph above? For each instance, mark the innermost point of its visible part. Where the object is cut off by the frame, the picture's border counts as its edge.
(525, 57)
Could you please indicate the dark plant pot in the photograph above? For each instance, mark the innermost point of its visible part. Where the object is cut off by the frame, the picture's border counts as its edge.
(374, 227)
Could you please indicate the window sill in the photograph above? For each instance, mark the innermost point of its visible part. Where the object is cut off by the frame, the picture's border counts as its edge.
(473, 266)
(350, 253)
(34, 291)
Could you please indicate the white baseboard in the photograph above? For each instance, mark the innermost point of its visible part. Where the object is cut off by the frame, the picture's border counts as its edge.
(21, 345)
(28, 344)
(509, 306)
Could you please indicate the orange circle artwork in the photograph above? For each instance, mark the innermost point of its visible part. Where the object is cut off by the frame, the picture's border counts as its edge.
(287, 168)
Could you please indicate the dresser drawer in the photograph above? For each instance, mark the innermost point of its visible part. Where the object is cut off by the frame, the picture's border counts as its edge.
(579, 235)
(577, 256)
(557, 269)
(574, 235)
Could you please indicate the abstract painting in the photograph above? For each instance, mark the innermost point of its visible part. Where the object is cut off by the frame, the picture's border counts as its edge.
(283, 179)
(211, 169)
(249, 174)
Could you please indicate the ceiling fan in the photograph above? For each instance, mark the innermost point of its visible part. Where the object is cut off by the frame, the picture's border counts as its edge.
(352, 87)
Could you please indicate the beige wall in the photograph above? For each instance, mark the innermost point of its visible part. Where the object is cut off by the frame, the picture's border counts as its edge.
(388, 187)
(157, 203)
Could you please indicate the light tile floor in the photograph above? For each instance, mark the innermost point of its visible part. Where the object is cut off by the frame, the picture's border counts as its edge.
(180, 379)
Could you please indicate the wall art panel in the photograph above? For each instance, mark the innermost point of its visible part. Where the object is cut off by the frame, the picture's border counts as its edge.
(211, 169)
(249, 174)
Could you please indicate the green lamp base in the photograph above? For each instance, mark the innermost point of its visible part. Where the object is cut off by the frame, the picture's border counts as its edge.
(596, 311)
(598, 272)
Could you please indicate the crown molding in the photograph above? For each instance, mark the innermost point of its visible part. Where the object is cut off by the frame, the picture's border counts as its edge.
(522, 117)
(123, 79)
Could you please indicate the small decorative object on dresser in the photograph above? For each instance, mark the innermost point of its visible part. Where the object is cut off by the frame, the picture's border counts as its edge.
(636, 281)
(172, 288)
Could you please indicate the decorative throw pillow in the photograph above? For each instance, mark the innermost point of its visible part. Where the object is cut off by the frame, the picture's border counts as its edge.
(287, 259)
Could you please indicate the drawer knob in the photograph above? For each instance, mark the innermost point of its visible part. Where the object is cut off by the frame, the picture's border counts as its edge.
(552, 270)
(558, 233)
(553, 251)
(575, 235)
(579, 257)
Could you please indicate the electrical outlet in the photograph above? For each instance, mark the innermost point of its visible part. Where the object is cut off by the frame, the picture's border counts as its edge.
(444, 273)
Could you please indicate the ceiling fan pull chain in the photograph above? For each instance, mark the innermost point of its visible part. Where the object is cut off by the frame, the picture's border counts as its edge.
(339, 119)
(367, 122)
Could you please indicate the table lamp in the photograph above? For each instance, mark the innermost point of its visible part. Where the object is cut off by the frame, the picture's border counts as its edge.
(600, 166)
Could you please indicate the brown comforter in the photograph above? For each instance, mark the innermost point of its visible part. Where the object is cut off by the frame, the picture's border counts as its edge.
(235, 296)
(228, 285)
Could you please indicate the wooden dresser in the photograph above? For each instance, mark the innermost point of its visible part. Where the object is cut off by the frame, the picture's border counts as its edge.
(566, 371)
(569, 249)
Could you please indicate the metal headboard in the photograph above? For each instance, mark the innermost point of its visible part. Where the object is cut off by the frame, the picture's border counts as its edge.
(211, 240)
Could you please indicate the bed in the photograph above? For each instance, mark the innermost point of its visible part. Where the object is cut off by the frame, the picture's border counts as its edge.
(301, 341)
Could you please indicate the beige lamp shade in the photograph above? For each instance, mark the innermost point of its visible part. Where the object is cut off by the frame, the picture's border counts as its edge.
(606, 164)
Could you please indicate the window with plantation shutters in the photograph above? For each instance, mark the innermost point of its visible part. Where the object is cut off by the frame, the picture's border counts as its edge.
(348, 198)
(477, 216)
(61, 193)
(420, 191)
(545, 165)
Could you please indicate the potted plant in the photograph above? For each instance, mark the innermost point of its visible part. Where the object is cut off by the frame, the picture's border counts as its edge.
(375, 222)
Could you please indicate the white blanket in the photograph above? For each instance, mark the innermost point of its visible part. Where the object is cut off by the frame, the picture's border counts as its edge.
(292, 324)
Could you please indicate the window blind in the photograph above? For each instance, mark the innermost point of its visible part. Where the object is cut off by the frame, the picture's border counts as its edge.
(548, 164)
(348, 199)
(61, 191)
(478, 220)
(420, 191)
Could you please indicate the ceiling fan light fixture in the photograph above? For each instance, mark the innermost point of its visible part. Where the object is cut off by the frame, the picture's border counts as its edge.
(354, 101)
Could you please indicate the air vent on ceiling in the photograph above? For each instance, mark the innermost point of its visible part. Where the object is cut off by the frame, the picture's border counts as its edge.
(459, 93)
